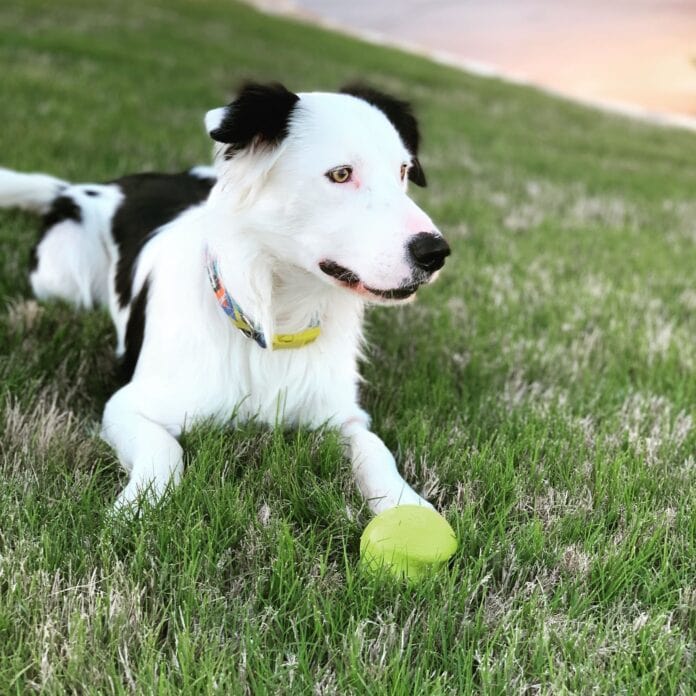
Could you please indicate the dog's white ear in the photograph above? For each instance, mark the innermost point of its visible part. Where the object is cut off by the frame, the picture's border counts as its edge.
(259, 116)
(213, 118)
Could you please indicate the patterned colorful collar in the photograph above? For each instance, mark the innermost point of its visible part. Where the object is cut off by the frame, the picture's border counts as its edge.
(245, 324)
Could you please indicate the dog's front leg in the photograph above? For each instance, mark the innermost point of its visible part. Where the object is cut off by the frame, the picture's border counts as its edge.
(145, 448)
(375, 470)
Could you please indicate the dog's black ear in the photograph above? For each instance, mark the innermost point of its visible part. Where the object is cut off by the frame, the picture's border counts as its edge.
(260, 114)
(401, 116)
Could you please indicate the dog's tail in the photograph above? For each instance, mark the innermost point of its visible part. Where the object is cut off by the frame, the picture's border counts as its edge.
(34, 192)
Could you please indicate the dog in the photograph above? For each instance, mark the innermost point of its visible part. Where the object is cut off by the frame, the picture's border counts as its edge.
(238, 291)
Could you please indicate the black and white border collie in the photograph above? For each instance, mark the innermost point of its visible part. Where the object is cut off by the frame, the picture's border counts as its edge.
(238, 290)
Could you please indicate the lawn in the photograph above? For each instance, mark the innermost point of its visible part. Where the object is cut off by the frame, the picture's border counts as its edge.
(542, 393)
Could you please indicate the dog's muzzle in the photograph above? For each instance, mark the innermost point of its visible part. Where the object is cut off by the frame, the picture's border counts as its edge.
(352, 281)
(426, 253)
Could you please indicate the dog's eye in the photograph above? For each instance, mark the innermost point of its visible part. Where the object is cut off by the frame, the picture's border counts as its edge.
(404, 171)
(340, 175)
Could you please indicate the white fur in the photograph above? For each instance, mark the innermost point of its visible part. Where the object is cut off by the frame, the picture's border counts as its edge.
(271, 218)
(28, 191)
(75, 259)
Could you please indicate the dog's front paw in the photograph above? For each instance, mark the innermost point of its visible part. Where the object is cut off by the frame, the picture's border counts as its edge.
(128, 502)
(137, 495)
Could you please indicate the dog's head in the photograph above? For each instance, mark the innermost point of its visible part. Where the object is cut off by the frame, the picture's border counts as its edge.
(322, 180)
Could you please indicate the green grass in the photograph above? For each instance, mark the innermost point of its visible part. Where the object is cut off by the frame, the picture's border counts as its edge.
(542, 392)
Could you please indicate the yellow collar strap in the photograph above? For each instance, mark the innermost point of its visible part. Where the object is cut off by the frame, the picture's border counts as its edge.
(245, 325)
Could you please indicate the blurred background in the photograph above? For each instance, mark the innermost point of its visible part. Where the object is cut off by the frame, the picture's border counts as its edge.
(630, 55)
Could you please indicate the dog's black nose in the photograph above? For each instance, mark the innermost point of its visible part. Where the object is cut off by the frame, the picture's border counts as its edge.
(429, 251)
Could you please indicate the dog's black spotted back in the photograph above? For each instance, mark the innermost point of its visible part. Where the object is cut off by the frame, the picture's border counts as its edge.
(150, 201)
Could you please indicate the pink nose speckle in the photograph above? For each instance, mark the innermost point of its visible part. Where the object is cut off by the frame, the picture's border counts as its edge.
(419, 223)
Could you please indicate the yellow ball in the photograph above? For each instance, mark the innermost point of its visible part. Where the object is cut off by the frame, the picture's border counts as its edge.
(408, 541)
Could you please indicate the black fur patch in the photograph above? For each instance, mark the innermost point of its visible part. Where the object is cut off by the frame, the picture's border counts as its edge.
(151, 200)
(260, 114)
(63, 208)
(340, 273)
(401, 116)
(34, 258)
(135, 331)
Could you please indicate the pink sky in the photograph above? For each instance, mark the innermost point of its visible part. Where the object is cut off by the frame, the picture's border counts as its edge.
(640, 52)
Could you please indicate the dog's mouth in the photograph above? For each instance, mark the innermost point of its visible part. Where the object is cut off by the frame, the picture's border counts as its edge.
(351, 280)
